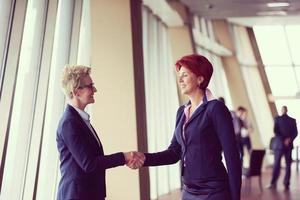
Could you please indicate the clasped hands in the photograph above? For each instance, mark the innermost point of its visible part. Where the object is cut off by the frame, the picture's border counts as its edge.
(134, 159)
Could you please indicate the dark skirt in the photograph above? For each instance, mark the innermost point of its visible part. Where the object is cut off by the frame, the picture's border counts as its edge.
(216, 194)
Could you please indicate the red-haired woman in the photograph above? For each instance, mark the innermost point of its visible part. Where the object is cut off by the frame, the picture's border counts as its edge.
(203, 131)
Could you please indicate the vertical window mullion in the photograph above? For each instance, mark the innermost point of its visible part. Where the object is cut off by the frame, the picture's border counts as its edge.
(84, 42)
(32, 153)
(10, 78)
(158, 73)
(43, 85)
(6, 15)
(48, 173)
(77, 13)
(291, 57)
(21, 139)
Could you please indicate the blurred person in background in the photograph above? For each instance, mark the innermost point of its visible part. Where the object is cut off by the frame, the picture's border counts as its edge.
(285, 129)
(245, 130)
(237, 126)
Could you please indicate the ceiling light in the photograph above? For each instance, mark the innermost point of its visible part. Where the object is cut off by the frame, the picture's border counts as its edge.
(278, 4)
(270, 13)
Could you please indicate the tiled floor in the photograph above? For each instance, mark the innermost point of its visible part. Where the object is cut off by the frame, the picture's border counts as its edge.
(256, 194)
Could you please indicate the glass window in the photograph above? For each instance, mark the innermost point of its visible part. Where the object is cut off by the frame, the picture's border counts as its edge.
(49, 165)
(282, 80)
(160, 90)
(279, 47)
(293, 35)
(218, 83)
(20, 146)
(37, 99)
(272, 45)
(210, 29)
(203, 27)
(196, 23)
(297, 70)
(84, 46)
(5, 9)
(242, 46)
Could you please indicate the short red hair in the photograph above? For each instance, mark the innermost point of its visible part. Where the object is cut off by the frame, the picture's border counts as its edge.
(197, 64)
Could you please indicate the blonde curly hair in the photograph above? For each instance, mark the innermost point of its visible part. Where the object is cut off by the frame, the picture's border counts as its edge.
(71, 78)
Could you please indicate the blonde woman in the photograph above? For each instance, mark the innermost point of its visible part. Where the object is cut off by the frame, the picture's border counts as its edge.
(82, 161)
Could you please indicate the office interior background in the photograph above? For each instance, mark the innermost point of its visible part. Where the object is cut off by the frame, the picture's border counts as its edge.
(132, 46)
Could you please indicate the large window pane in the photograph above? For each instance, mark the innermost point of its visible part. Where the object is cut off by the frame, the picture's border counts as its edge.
(21, 148)
(218, 83)
(272, 45)
(293, 34)
(84, 43)
(297, 70)
(161, 101)
(49, 167)
(282, 81)
(5, 9)
(278, 45)
(31, 161)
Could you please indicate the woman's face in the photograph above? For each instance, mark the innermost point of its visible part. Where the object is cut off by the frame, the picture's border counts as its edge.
(85, 93)
(188, 81)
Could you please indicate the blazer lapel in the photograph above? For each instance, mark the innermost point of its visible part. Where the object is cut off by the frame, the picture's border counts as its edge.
(179, 128)
(97, 138)
(197, 112)
(83, 124)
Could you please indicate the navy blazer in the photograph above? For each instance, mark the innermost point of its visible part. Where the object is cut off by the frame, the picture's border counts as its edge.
(208, 132)
(82, 161)
(284, 127)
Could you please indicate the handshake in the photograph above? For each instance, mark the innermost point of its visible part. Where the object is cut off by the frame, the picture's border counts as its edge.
(134, 159)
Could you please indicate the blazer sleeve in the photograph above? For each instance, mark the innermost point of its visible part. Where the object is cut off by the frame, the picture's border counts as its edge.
(78, 144)
(223, 126)
(169, 156)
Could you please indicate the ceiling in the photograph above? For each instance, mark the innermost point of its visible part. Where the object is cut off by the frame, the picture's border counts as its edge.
(240, 8)
(246, 12)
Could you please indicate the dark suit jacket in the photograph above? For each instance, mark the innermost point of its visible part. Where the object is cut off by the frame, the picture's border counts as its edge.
(284, 127)
(83, 162)
(208, 132)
